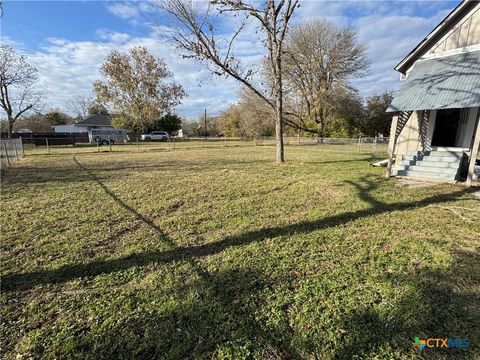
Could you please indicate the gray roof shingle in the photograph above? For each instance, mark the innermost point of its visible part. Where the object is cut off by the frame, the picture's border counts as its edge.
(97, 120)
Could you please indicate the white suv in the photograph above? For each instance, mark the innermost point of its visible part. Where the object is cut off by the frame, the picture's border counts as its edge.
(156, 135)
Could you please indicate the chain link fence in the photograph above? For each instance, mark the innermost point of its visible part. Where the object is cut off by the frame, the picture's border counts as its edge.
(66, 145)
(11, 150)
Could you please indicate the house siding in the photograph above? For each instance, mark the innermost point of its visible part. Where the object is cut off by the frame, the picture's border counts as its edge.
(409, 138)
(465, 33)
(467, 128)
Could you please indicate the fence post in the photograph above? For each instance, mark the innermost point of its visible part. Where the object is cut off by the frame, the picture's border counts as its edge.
(110, 143)
(173, 140)
(22, 147)
(375, 144)
(48, 146)
(98, 146)
(15, 145)
(138, 146)
(359, 142)
(6, 151)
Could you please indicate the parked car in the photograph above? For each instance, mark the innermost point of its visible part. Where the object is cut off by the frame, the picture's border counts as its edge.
(156, 135)
(108, 136)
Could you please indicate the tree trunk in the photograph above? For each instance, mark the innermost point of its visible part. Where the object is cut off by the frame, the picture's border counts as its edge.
(10, 128)
(279, 113)
(279, 125)
(320, 132)
(279, 134)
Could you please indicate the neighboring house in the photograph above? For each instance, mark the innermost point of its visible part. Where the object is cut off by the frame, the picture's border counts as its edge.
(435, 131)
(93, 122)
(73, 128)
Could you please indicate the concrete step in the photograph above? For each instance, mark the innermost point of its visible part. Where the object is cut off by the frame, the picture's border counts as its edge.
(407, 162)
(444, 159)
(447, 164)
(447, 149)
(457, 155)
(410, 157)
(440, 166)
(438, 170)
(426, 175)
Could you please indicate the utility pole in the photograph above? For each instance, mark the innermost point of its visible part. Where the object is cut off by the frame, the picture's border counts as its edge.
(206, 131)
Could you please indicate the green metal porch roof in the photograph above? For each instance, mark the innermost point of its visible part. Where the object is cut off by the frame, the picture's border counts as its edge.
(441, 83)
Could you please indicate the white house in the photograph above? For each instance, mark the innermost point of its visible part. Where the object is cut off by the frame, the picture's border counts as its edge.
(93, 122)
(435, 131)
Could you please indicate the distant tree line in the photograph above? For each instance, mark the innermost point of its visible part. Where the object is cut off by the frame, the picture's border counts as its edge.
(312, 71)
(40, 122)
(353, 117)
(45, 121)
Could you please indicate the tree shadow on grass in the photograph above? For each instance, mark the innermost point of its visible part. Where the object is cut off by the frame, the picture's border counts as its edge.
(215, 315)
(25, 281)
(222, 316)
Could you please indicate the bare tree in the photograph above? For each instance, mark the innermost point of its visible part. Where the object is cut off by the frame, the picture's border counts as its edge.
(320, 60)
(80, 105)
(18, 93)
(194, 34)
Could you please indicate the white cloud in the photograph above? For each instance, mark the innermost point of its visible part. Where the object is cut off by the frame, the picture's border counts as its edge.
(391, 30)
(70, 67)
(124, 10)
(112, 36)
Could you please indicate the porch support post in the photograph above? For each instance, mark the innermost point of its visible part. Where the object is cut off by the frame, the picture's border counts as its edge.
(391, 145)
(474, 152)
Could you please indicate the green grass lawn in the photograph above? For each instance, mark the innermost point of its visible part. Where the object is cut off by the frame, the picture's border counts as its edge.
(219, 253)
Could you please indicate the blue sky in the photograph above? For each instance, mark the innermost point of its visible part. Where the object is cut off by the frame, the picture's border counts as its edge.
(68, 40)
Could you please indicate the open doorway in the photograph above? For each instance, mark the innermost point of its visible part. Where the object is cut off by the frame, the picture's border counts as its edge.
(446, 127)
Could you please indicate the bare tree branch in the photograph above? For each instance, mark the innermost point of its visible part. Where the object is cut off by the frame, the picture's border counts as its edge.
(320, 59)
(18, 91)
(194, 35)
